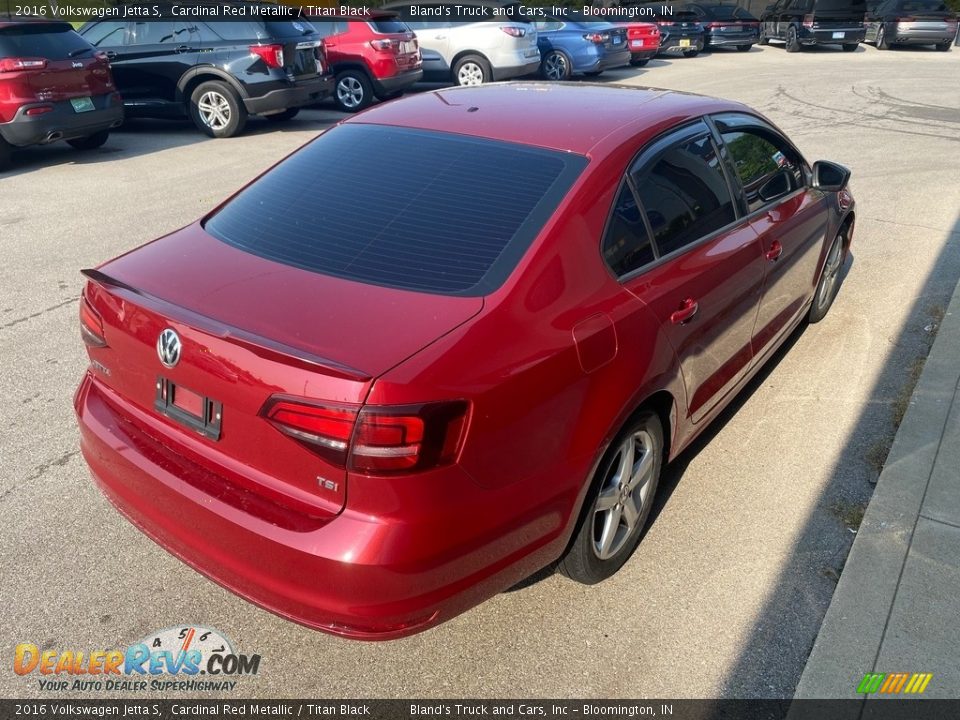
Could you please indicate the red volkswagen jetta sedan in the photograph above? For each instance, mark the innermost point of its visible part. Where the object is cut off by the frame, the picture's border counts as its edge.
(450, 341)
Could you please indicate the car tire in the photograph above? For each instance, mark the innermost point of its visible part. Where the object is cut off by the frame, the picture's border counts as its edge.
(352, 91)
(691, 53)
(744, 48)
(850, 47)
(882, 42)
(471, 70)
(944, 46)
(606, 535)
(639, 62)
(829, 283)
(288, 114)
(556, 66)
(6, 153)
(216, 110)
(91, 142)
(793, 40)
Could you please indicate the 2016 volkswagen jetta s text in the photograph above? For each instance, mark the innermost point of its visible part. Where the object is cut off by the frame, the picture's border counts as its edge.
(451, 341)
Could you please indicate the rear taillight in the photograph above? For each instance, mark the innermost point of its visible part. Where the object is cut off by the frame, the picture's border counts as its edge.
(386, 45)
(714, 24)
(91, 325)
(598, 38)
(15, 64)
(374, 439)
(514, 31)
(272, 55)
(808, 21)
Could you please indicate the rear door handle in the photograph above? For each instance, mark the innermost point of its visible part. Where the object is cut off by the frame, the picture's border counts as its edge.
(111, 55)
(688, 308)
(775, 251)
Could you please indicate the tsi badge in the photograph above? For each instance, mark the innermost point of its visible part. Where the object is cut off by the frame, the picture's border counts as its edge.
(184, 658)
(168, 347)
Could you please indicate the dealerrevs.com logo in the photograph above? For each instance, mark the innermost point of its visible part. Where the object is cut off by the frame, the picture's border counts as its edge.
(185, 658)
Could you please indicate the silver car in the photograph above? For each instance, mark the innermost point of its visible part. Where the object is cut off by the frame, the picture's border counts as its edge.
(471, 53)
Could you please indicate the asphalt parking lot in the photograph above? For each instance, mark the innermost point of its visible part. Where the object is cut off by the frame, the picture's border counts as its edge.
(725, 595)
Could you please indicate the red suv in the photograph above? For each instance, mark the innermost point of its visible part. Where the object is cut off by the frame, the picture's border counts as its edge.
(53, 86)
(379, 58)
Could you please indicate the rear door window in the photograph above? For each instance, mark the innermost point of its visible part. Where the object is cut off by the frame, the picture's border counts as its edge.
(626, 245)
(53, 41)
(685, 194)
(411, 209)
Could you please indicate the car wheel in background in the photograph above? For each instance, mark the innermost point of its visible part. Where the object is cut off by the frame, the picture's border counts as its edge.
(618, 504)
(555, 66)
(850, 47)
(793, 41)
(639, 62)
(216, 109)
(353, 91)
(288, 114)
(744, 48)
(882, 43)
(91, 142)
(471, 70)
(691, 53)
(829, 281)
(944, 46)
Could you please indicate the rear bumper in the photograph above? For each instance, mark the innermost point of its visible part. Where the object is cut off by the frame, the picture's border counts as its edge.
(354, 575)
(61, 123)
(718, 39)
(398, 82)
(849, 35)
(672, 44)
(298, 94)
(909, 34)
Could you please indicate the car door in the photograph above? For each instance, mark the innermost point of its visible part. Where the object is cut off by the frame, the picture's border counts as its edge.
(788, 216)
(155, 57)
(434, 39)
(770, 18)
(677, 244)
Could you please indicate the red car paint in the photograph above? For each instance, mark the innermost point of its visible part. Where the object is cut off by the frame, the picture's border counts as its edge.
(551, 363)
(643, 39)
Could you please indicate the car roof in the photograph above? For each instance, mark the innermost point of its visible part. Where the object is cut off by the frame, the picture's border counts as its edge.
(575, 117)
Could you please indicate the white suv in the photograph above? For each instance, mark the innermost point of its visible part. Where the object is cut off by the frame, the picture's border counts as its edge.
(470, 53)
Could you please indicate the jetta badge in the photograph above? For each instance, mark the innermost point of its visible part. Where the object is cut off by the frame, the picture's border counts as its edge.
(168, 348)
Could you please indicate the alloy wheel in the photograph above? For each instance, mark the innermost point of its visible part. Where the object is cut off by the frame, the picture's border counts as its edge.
(350, 92)
(214, 110)
(555, 66)
(831, 273)
(470, 73)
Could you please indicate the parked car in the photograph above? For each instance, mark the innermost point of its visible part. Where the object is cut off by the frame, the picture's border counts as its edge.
(910, 22)
(376, 57)
(726, 25)
(801, 23)
(216, 73)
(53, 86)
(471, 52)
(576, 47)
(369, 418)
(680, 30)
(643, 39)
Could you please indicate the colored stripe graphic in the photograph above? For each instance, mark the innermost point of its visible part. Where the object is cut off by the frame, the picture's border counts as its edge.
(894, 683)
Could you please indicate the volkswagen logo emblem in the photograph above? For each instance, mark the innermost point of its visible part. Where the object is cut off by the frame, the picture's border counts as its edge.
(168, 348)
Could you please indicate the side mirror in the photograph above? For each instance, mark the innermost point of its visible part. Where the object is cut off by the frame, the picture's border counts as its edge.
(777, 186)
(830, 177)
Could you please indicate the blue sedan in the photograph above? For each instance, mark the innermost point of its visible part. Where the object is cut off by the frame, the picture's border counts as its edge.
(573, 47)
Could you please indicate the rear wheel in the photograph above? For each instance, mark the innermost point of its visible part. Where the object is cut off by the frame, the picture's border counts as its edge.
(288, 114)
(850, 47)
(639, 62)
(555, 66)
(793, 40)
(944, 46)
(744, 48)
(882, 42)
(471, 70)
(216, 109)
(829, 281)
(353, 91)
(619, 503)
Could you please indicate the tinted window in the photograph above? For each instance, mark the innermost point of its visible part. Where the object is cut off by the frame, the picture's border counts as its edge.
(427, 25)
(847, 6)
(685, 195)
(259, 30)
(158, 33)
(626, 246)
(108, 34)
(389, 25)
(924, 6)
(758, 160)
(404, 208)
(53, 41)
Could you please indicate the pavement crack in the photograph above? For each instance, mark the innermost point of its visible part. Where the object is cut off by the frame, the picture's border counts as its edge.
(38, 314)
(40, 471)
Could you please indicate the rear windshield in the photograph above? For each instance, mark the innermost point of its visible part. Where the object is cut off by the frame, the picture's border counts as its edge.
(410, 209)
(849, 6)
(727, 12)
(923, 6)
(387, 26)
(246, 30)
(53, 41)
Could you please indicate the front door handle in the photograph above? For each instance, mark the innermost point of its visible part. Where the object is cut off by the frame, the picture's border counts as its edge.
(775, 251)
(688, 308)
(184, 49)
(111, 55)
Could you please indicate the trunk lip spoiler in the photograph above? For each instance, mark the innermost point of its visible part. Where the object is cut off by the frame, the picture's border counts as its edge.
(259, 345)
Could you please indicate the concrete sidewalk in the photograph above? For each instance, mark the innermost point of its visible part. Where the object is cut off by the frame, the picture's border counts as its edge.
(897, 605)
